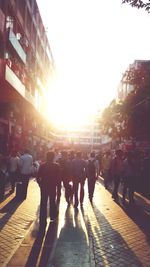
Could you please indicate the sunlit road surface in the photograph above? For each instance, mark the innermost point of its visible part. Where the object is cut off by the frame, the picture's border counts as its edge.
(118, 235)
(72, 248)
(99, 235)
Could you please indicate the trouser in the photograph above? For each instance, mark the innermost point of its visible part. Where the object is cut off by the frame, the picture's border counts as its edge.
(45, 196)
(58, 191)
(129, 186)
(25, 182)
(12, 178)
(116, 186)
(106, 177)
(2, 188)
(68, 191)
(91, 187)
(76, 184)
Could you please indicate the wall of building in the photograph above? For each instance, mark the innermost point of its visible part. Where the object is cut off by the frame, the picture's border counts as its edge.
(26, 65)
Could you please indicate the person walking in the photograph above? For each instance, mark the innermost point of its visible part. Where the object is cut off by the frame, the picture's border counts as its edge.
(145, 186)
(92, 174)
(25, 165)
(64, 169)
(106, 164)
(79, 176)
(13, 167)
(3, 176)
(116, 172)
(48, 178)
(129, 177)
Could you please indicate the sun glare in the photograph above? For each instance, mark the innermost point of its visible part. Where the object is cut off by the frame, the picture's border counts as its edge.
(65, 111)
(69, 109)
(92, 43)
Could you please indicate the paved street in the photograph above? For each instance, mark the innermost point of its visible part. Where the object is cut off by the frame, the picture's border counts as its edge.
(120, 237)
(15, 220)
(102, 234)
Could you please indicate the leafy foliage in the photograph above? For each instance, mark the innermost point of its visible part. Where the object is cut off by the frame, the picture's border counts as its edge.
(139, 75)
(130, 118)
(138, 4)
(137, 110)
(112, 120)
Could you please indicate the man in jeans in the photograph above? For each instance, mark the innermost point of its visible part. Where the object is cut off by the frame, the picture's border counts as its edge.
(13, 165)
(48, 178)
(79, 176)
(92, 174)
(117, 172)
(25, 164)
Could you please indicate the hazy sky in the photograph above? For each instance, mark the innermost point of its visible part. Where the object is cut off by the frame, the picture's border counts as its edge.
(93, 42)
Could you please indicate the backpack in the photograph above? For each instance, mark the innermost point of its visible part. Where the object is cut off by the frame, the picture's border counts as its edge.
(91, 169)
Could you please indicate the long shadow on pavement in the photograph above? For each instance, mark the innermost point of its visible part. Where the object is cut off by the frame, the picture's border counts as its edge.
(34, 254)
(109, 248)
(72, 246)
(43, 246)
(140, 218)
(137, 213)
(8, 210)
(48, 245)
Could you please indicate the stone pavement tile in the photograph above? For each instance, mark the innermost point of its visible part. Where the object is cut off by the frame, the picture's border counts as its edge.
(16, 219)
(75, 241)
(108, 218)
(29, 252)
(20, 256)
(71, 254)
(109, 236)
(72, 246)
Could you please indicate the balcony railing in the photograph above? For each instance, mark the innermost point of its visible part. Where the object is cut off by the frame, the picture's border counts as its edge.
(16, 45)
(17, 84)
(14, 81)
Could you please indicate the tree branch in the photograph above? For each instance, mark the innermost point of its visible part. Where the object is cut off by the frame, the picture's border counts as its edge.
(138, 4)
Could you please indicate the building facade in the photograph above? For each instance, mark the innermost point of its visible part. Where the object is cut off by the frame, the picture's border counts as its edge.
(26, 65)
(86, 137)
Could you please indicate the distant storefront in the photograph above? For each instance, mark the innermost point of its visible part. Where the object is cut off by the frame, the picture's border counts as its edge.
(3, 136)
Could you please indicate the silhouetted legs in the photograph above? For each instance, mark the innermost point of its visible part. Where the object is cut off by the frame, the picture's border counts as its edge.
(78, 190)
(45, 196)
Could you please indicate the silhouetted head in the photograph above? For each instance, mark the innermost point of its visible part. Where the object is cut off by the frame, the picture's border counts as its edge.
(108, 153)
(26, 151)
(79, 154)
(71, 154)
(119, 153)
(64, 154)
(92, 154)
(50, 156)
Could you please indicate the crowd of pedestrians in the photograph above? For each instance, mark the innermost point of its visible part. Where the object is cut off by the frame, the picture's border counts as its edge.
(129, 169)
(69, 170)
(16, 170)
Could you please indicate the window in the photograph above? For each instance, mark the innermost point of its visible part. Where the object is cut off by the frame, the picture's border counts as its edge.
(9, 22)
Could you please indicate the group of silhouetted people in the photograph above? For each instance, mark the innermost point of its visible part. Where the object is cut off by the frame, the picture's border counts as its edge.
(16, 170)
(70, 170)
(130, 169)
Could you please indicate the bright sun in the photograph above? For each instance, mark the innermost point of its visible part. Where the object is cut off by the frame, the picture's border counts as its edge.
(67, 107)
(71, 104)
(92, 44)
